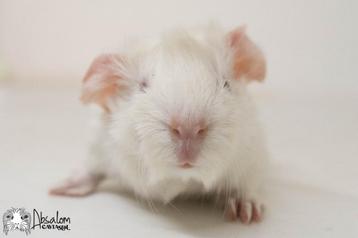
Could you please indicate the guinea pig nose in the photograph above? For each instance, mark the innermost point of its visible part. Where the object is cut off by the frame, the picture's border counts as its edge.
(177, 131)
(188, 131)
(201, 130)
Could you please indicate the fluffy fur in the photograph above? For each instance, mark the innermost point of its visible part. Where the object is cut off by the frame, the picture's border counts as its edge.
(188, 76)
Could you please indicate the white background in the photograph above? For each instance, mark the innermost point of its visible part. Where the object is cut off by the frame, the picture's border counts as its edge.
(308, 104)
(311, 43)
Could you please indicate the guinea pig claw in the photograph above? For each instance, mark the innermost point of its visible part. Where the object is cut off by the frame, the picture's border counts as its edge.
(247, 211)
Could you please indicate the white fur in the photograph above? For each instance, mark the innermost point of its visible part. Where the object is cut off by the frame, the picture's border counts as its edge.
(185, 72)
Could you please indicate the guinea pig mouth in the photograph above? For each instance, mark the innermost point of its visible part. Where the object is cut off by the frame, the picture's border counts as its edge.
(186, 161)
(187, 154)
(186, 165)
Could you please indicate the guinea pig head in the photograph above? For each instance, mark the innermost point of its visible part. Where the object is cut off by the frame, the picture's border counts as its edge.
(184, 96)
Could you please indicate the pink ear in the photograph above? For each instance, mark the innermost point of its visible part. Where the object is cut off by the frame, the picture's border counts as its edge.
(102, 80)
(249, 61)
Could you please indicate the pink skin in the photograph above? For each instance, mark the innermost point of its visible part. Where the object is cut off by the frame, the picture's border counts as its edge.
(79, 185)
(188, 138)
(249, 61)
(247, 211)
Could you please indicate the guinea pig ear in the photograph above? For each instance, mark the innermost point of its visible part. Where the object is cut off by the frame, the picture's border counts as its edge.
(104, 80)
(249, 61)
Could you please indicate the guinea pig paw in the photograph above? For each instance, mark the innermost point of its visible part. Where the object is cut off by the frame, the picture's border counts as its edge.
(76, 186)
(248, 211)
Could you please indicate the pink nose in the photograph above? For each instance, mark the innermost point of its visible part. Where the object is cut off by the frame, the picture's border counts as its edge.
(188, 139)
(182, 132)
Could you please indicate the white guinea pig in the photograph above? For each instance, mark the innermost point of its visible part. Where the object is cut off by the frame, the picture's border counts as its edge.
(177, 121)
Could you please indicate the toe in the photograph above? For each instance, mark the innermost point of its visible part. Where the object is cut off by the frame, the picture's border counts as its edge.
(257, 210)
(231, 210)
(245, 212)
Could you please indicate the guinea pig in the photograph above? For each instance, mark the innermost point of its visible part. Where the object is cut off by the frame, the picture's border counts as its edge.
(178, 121)
(17, 219)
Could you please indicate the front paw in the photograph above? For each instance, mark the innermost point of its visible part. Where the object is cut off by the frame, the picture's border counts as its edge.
(247, 210)
(80, 184)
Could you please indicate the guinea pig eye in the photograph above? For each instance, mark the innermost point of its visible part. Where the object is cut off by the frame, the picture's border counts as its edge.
(8, 216)
(24, 217)
(226, 84)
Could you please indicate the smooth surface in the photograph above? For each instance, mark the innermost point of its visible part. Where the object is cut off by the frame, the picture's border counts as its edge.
(306, 42)
(313, 192)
